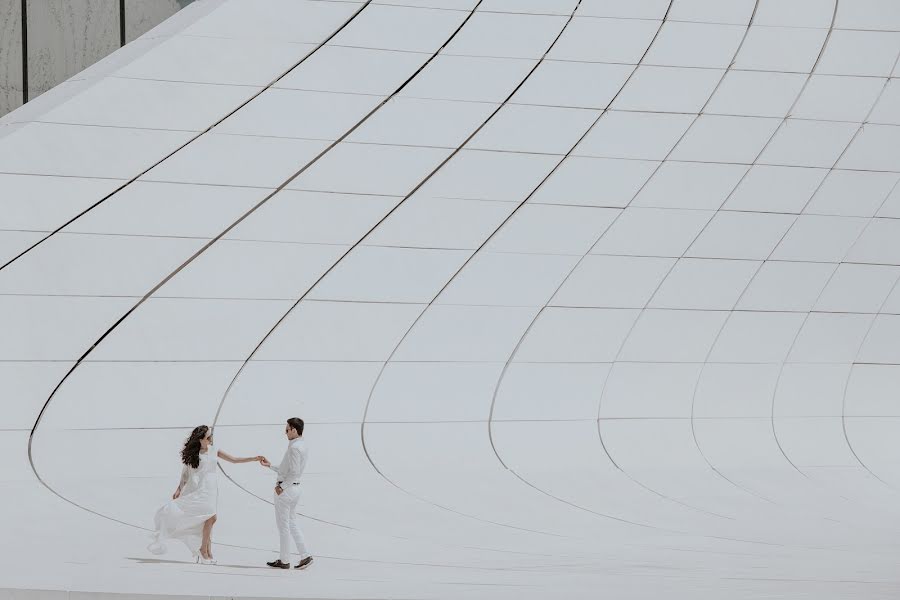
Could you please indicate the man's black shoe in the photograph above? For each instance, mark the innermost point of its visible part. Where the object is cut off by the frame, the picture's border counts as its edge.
(304, 563)
(279, 565)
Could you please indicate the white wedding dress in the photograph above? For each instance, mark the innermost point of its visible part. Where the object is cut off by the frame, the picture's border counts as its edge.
(183, 518)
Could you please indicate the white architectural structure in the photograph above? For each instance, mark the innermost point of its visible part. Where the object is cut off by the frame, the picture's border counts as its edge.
(579, 299)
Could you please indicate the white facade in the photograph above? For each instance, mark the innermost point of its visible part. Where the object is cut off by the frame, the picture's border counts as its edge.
(576, 298)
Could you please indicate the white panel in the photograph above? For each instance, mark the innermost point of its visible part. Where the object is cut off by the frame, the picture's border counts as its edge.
(433, 392)
(830, 338)
(887, 110)
(106, 265)
(796, 13)
(739, 390)
(45, 203)
(14, 243)
(506, 35)
(810, 390)
(756, 337)
(472, 78)
(860, 53)
(673, 336)
(613, 282)
(690, 185)
(465, 333)
(793, 286)
(299, 114)
(28, 385)
(875, 148)
(237, 160)
(871, 390)
(415, 122)
(591, 181)
(508, 280)
(476, 174)
(262, 270)
(634, 135)
(339, 331)
(668, 89)
(391, 170)
(881, 343)
(216, 60)
(530, 6)
(428, 222)
(775, 189)
(819, 238)
(649, 390)
(652, 232)
(297, 21)
(576, 335)
(858, 288)
(740, 235)
(313, 217)
(695, 45)
(704, 284)
(148, 104)
(184, 330)
(520, 128)
(572, 84)
(371, 274)
(353, 70)
(879, 243)
(891, 206)
(852, 193)
(869, 14)
(725, 139)
(169, 209)
(604, 40)
(552, 229)
(550, 391)
(712, 11)
(71, 150)
(399, 28)
(756, 93)
(780, 49)
(808, 143)
(650, 9)
(320, 391)
(829, 97)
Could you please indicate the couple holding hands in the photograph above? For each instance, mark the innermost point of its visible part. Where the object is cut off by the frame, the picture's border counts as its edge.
(191, 514)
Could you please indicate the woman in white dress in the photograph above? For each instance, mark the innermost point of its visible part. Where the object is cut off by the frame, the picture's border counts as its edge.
(191, 514)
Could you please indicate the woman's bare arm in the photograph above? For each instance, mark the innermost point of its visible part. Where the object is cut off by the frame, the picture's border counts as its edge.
(233, 459)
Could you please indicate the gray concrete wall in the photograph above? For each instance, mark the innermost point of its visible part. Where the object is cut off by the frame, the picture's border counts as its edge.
(65, 37)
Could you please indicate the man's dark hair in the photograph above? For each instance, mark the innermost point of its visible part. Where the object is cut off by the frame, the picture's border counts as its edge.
(297, 424)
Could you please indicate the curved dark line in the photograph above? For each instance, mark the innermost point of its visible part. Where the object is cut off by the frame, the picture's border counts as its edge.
(128, 182)
(450, 280)
(403, 200)
(143, 299)
(806, 317)
(643, 309)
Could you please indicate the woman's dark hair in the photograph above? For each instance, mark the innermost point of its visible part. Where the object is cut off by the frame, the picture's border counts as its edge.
(190, 454)
(297, 424)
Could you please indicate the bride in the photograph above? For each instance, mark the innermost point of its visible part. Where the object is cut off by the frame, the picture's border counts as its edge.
(191, 513)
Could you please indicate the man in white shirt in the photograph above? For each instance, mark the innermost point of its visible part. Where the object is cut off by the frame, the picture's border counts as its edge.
(287, 494)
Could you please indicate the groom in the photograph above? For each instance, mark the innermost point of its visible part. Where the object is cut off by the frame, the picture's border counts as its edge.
(287, 494)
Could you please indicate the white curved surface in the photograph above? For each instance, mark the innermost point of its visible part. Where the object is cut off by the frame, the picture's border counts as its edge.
(573, 296)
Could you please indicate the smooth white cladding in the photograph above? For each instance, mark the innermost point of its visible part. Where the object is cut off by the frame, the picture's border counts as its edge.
(571, 295)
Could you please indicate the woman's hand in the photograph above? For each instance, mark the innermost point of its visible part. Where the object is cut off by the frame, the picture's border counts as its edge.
(177, 494)
(278, 490)
(264, 461)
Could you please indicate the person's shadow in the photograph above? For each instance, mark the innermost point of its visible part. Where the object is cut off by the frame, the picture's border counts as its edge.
(162, 561)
